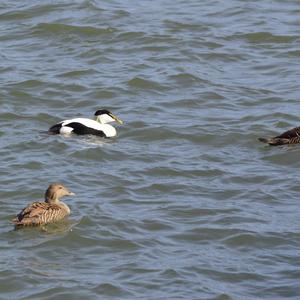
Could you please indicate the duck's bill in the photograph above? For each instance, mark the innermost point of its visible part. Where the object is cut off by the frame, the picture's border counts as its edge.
(116, 119)
(71, 194)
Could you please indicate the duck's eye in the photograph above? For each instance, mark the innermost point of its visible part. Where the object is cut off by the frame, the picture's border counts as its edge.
(60, 187)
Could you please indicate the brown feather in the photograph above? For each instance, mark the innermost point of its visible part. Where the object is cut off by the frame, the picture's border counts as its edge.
(292, 133)
(38, 213)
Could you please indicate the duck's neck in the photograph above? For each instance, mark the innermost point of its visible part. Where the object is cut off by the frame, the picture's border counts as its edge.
(52, 200)
(98, 119)
(65, 207)
(104, 119)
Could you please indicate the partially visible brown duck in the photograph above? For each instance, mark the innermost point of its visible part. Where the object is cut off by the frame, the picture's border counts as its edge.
(291, 136)
(41, 213)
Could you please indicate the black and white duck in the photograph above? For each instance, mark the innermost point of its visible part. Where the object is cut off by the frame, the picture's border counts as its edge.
(99, 126)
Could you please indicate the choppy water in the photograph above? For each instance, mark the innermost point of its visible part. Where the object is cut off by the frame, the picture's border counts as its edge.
(185, 203)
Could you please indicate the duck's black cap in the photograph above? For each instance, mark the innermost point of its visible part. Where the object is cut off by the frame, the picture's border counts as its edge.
(102, 112)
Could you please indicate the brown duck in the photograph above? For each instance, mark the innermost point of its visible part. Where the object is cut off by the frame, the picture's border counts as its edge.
(41, 213)
(291, 136)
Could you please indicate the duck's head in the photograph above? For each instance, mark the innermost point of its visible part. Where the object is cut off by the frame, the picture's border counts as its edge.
(55, 191)
(104, 116)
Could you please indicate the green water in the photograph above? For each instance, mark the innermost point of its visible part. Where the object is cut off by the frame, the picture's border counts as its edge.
(184, 203)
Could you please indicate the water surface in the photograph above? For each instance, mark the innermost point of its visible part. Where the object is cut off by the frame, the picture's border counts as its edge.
(185, 203)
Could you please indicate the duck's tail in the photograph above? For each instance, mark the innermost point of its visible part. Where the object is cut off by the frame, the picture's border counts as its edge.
(274, 141)
(23, 222)
(264, 140)
(55, 129)
(16, 222)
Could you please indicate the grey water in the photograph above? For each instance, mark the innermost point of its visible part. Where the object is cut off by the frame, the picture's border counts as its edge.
(184, 203)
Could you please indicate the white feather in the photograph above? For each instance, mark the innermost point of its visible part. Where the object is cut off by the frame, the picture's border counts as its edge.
(65, 130)
(105, 118)
(84, 121)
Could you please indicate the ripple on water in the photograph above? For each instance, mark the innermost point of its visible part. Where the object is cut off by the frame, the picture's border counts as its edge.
(264, 37)
(111, 290)
(141, 83)
(63, 29)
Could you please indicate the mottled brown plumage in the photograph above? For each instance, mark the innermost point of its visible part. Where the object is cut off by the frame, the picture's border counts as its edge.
(291, 136)
(40, 213)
